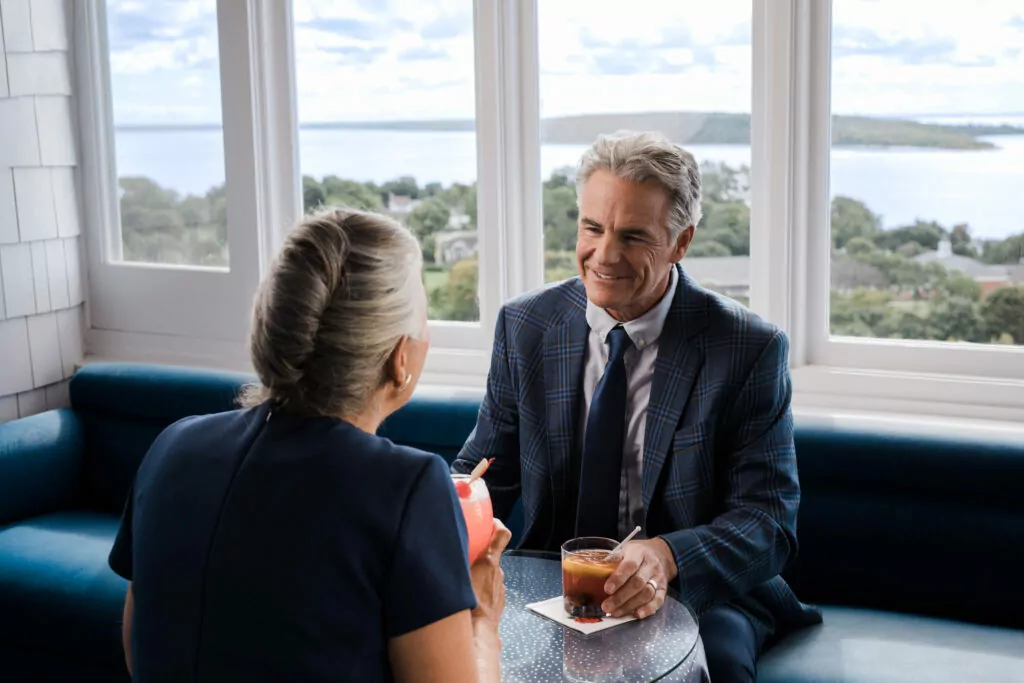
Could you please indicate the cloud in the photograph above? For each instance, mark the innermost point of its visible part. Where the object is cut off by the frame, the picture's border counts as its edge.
(590, 41)
(647, 61)
(355, 54)
(851, 41)
(983, 61)
(675, 36)
(422, 53)
(348, 27)
(129, 29)
(631, 56)
(1017, 22)
(447, 26)
(740, 35)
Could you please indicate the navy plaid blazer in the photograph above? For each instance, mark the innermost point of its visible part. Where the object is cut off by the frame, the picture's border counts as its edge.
(719, 465)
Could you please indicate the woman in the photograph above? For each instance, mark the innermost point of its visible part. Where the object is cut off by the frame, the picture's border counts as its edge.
(287, 542)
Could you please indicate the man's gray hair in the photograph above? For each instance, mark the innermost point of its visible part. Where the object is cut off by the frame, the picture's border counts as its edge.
(644, 156)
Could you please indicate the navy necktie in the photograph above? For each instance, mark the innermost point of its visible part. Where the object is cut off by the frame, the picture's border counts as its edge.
(601, 471)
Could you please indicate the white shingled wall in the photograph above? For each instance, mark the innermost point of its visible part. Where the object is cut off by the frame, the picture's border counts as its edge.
(41, 280)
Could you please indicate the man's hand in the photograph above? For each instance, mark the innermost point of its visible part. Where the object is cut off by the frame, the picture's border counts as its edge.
(630, 587)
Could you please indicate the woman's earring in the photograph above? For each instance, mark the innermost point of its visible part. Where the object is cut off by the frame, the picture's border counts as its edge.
(407, 382)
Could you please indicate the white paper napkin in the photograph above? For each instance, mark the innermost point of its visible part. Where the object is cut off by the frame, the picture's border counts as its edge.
(554, 610)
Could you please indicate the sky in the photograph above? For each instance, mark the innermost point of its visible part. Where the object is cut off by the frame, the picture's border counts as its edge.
(407, 59)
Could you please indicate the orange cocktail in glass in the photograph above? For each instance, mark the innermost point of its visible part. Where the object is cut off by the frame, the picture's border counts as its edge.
(476, 507)
(585, 570)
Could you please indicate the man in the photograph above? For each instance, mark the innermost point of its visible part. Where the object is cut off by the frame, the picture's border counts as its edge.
(630, 396)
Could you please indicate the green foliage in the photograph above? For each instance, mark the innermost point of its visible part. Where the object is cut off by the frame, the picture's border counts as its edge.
(704, 247)
(159, 226)
(851, 219)
(721, 183)
(860, 247)
(559, 265)
(456, 299)
(928, 234)
(403, 187)
(727, 224)
(877, 132)
(431, 216)
(878, 288)
(960, 240)
(561, 217)
(1004, 313)
(1010, 250)
(957, 318)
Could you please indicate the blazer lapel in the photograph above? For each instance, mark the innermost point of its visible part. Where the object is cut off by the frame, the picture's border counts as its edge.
(565, 344)
(675, 372)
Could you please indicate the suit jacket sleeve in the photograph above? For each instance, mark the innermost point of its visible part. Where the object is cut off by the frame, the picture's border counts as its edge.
(496, 434)
(754, 536)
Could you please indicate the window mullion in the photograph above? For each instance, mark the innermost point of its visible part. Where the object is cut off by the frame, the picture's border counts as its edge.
(276, 138)
(235, 28)
(772, 162)
(790, 147)
(523, 241)
(491, 152)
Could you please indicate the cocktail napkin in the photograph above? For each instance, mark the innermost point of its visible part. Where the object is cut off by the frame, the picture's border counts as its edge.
(553, 609)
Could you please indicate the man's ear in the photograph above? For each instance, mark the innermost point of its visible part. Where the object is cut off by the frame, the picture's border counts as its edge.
(682, 244)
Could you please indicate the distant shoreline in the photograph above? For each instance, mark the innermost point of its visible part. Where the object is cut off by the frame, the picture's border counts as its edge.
(687, 128)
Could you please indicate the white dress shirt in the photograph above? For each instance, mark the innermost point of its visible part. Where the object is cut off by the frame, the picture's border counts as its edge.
(639, 360)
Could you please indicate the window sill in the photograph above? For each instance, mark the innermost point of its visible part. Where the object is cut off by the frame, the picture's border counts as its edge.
(885, 393)
(876, 400)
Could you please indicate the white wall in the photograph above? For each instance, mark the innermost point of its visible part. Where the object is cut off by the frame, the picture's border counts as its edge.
(41, 281)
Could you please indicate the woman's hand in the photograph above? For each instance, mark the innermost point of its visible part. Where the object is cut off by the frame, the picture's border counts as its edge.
(489, 585)
(488, 578)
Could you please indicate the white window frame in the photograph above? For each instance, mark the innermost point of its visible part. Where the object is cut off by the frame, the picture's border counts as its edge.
(153, 311)
(790, 252)
(790, 151)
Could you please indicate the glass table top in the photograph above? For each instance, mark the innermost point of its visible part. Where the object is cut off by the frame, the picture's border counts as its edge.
(537, 650)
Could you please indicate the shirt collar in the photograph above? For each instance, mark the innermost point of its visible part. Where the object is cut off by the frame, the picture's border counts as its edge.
(642, 331)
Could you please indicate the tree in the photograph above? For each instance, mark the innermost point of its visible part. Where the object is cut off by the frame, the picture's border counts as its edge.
(1010, 250)
(560, 217)
(312, 194)
(729, 225)
(403, 187)
(958, 284)
(851, 218)
(859, 247)
(431, 216)
(957, 318)
(910, 249)
(456, 299)
(705, 248)
(960, 241)
(721, 183)
(1004, 313)
(351, 194)
(159, 226)
(926, 233)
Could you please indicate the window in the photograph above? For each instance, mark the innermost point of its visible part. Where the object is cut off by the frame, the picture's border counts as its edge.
(927, 165)
(860, 161)
(165, 85)
(170, 193)
(386, 105)
(683, 69)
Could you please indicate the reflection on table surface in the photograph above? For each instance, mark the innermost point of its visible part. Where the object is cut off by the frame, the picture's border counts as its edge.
(536, 650)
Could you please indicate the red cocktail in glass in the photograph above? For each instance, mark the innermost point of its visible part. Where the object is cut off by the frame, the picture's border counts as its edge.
(476, 507)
